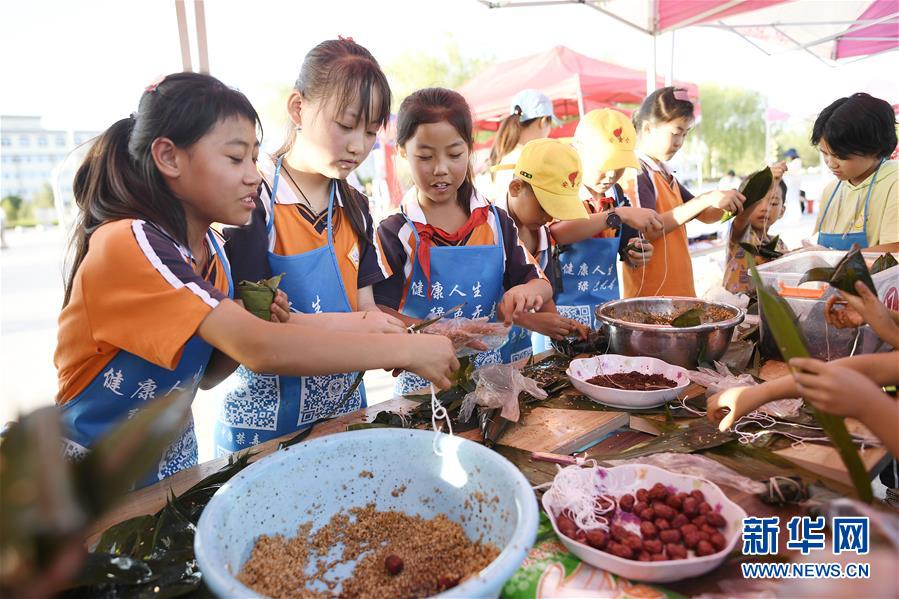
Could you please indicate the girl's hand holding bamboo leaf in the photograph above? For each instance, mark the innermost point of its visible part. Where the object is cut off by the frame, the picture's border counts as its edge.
(842, 391)
(863, 308)
(280, 307)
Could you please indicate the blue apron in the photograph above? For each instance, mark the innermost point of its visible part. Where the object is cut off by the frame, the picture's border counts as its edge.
(540, 342)
(589, 271)
(127, 383)
(259, 406)
(845, 241)
(469, 273)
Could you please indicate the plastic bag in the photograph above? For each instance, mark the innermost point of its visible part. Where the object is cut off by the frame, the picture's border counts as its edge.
(718, 293)
(471, 335)
(697, 465)
(498, 386)
(719, 379)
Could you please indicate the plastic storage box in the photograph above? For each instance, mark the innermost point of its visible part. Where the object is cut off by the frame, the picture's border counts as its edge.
(807, 302)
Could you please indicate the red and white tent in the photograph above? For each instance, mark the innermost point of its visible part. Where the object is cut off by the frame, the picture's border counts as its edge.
(576, 83)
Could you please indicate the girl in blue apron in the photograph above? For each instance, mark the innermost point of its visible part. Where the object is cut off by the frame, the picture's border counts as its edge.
(545, 186)
(148, 296)
(856, 136)
(449, 246)
(314, 228)
(587, 251)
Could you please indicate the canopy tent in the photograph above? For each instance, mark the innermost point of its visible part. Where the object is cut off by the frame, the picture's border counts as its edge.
(831, 31)
(846, 29)
(576, 83)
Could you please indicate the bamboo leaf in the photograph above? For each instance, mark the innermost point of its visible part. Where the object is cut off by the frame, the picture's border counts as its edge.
(690, 318)
(884, 262)
(792, 345)
(822, 273)
(754, 188)
(851, 269)
(258, 296)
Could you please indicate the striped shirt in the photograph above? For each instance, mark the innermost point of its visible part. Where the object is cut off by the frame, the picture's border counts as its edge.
(398, 243)
(136, 291)
(298, 230)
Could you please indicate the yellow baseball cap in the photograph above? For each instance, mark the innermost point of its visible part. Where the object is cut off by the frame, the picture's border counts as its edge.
(553, 170)
(609, 136)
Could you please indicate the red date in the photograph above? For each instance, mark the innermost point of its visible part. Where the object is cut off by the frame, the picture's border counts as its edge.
(620, 550)
(675, 551)
(670, 536)
(626, 502)
(679, 521)
(715, 519)
(597, 538)
(704, 548)
(653, 546)
(648, 530)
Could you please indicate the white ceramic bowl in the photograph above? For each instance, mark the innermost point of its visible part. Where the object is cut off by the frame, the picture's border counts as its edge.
(314, 480)
(584, 369)
(627, 479)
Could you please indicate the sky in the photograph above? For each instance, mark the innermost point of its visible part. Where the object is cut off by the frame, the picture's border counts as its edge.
(83, 65)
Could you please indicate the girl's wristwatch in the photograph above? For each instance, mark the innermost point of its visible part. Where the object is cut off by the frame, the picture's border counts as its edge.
(613, 219)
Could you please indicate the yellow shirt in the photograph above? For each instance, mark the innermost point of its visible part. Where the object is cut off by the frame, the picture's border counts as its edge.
(846, 213)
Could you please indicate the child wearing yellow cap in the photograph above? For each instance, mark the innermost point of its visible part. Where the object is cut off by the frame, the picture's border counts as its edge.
(588, 250)
(544, 187)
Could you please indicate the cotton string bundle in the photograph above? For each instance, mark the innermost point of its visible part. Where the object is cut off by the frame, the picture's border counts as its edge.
(575, 492)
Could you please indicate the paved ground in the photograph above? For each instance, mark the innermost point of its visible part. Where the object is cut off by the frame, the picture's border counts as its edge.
(31, 296)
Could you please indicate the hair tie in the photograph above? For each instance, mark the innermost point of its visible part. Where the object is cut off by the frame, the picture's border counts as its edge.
(133, 116)
(155, 84)
(681, 94)
(345, 39)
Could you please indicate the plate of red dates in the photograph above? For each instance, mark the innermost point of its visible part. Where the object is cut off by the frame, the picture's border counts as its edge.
(642, 522)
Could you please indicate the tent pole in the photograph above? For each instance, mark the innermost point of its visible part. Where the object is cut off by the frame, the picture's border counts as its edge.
(202, 46)
(181, 13)
(580, 98)
(669, 77)
(651, 71)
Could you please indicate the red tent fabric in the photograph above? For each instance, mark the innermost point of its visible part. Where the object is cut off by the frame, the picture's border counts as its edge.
(562, 74)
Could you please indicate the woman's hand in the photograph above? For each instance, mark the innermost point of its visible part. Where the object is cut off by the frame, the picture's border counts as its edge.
(636, 257)
(644, 220)
(834, 389)
(739, 400)
(863, 308)
(280, 308)
(431, 357)
(551, 324)
(729, 201)
(519, 299)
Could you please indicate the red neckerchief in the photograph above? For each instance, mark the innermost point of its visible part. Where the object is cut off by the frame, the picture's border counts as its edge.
(426, 234)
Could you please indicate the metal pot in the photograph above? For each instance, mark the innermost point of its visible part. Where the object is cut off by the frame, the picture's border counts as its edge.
(682, 346)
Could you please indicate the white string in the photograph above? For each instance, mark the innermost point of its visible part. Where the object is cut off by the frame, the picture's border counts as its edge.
(438, 412)
(574, 492)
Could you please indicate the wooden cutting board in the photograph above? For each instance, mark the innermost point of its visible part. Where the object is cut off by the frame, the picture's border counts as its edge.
(561, 431)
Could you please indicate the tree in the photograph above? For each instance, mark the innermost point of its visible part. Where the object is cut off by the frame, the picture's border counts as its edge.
(11, 204)
(415, 70)
(732, 129)
(44, 197)
(797, 136)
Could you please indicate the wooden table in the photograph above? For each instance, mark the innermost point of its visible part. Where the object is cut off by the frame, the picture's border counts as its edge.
(150, 499)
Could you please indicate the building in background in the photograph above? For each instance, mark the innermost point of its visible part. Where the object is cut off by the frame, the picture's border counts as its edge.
(31, 156)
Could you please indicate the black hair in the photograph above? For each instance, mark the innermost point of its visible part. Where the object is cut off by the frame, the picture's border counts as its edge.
(859, 125)
(344, 71)
(508, 135)
(435, 105)
(118, 178)
(662, 106)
